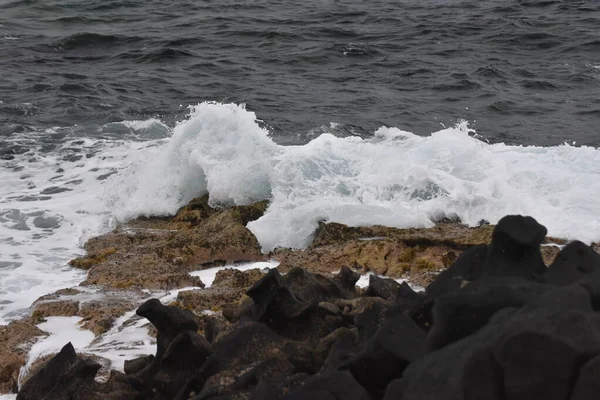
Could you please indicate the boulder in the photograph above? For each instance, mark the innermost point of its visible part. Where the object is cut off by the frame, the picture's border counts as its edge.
(532, 352)
(169, 321)
(461, 313)
(240, 349)
(385, 356)
(573, 262)
(69, 377)
(394, 390)
(467, 268)
(159, 253)
(137, 364)
(587, 385)
(382, 287)
(515, 248)
(332, 385)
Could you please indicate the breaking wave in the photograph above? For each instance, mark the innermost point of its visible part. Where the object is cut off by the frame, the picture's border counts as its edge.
(394, 178)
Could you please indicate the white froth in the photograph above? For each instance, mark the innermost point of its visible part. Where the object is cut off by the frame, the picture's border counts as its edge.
(219, 149)
(42, 227)
(129, 337)
(363, 282)
(395, 178)
(61, 330)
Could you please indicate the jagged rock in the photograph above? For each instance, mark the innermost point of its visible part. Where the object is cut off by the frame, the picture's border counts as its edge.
(461, 313)
(515, 248)
(347, 278)
(336, 349)
(394, 390)
(137, 364)
(214, 326)
(467, 267)
(370, 317)
(275, 388)
(591, 283)
(332, 385)
(382, 287)
(246, 345)
(290, 304)
(15, 340)
(587, 385)
(65, 376)
(529, 353)
(248, 381)
(385, 356)
(158, 253)
(100, 315)
(46, 308)
(273, 300)
(169, 321)
(227, 291)
(573, 262)
(69, 377)
(184, 357)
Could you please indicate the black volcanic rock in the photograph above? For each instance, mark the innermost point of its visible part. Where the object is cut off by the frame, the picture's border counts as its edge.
(137, 364)
(385, 356)
(574, 262)
(65, 376)
(466, 268)
(272, 298)
(515, 248)
(290, 305)
(169, 321)
(461, 313)
(531, 353)
(588, 382)
(333, 385)
(496, 325)
(382, 287)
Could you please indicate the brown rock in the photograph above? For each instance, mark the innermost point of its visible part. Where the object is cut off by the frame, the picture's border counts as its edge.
(16, 339)
(549, 253)
(158, 253)
(46, 308)
(99, 316)
(449, 234)
(227, 291)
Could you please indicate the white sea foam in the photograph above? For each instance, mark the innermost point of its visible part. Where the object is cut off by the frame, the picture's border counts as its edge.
(61, 330)
(43, 227)
(395, 178)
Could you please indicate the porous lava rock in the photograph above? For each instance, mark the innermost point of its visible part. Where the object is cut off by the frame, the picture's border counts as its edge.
(496, 325)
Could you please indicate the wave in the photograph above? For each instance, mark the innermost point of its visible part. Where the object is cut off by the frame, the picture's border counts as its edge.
(393, 178)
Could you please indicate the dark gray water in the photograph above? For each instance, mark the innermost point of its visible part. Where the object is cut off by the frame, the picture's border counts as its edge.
(520, 71)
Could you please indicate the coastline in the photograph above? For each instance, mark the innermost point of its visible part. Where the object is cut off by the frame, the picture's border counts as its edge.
(190, 259)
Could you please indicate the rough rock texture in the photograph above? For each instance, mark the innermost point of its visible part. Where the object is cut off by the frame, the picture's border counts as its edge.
(67, 376)
(226, 293)
(99, 306)
(158, 253)
(15, 340)
(496, 324)
(415, 254)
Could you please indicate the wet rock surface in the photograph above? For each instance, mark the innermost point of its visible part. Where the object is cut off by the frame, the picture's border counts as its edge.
(493, 321)
(498, 324)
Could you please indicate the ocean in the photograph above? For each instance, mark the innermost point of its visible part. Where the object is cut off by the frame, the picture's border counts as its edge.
(398, 113)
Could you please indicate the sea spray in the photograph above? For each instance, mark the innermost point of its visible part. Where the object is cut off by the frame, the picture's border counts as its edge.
(394, 178)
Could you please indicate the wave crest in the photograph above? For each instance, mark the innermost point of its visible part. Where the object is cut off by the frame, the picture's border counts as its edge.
(394, 178)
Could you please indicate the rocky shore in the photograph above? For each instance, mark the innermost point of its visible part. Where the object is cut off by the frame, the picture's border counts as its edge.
(449, 312)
